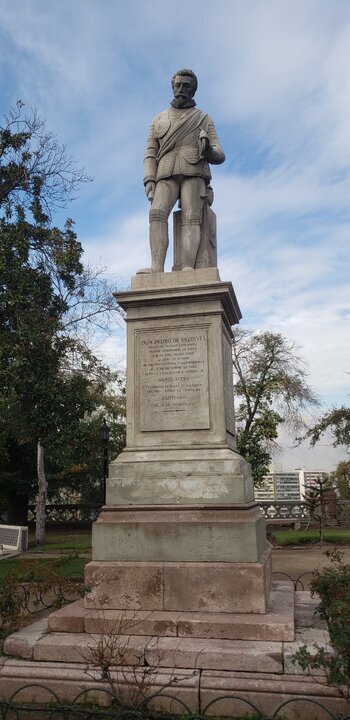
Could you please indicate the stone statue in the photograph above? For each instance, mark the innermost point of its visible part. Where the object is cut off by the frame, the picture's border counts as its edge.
(181, 143)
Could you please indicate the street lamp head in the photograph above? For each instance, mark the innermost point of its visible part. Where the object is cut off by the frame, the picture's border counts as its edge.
(104, 431)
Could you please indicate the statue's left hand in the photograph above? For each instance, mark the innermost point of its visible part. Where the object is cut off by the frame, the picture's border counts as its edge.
(149, 189)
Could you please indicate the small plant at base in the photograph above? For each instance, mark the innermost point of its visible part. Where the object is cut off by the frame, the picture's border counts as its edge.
(28, 589)
(332, 584)
(10, 605)
(124, 668)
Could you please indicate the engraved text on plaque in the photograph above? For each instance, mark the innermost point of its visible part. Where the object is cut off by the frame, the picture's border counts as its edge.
(173, 379)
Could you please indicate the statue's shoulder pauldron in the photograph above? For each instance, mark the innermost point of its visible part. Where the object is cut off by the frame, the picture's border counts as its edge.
(161, 124)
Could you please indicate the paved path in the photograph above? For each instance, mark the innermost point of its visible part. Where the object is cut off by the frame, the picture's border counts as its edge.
(295, 561)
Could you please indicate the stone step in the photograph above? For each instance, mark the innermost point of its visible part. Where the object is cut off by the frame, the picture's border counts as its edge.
(275, 625)
(156, 652)
(92, 649)
(34, 682)
(216, 654)
(214, 693)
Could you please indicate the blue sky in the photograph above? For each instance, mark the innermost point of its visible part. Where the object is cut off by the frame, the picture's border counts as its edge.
(275, 76)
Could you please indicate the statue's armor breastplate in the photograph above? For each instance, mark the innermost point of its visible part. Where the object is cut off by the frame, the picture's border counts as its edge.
(173, 146)
(183, 159)
(161, 124)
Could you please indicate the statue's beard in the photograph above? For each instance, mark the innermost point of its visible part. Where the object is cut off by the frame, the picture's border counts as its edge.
(182, 102)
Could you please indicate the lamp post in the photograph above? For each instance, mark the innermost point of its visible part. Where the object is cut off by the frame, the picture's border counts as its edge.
(104, 436)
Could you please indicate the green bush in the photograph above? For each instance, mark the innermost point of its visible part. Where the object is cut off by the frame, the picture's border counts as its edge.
(28, 586)
(332, 585)
(10, 605)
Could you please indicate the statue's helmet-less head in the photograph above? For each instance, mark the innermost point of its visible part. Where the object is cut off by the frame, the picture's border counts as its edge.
(184, 84)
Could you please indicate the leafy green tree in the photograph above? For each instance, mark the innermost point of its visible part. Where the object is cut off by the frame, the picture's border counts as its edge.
(337, 421)
(75, 455)
(36, 173)
(341, 479)
(271, 388)
(32, 347)
(256, 443)
(40, 392)
(47, 301)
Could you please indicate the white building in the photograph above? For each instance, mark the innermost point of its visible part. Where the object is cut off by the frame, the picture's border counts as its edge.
(309, 477)
(287, 485)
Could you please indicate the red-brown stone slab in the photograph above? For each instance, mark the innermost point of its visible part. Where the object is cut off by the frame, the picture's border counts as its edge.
(267, 692)
(69, 618)
(78, 647)
(22, 643)
(128, 622)
(217, 654)
(218, 587)
(67, 680)
(124, 586)
(276, 624)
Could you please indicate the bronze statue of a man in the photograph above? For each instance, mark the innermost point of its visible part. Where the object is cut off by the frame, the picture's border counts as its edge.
(181, 143)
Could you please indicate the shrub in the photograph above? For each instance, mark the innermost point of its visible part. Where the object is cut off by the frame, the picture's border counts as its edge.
(332, 584)
(30, 587)
(10, 605)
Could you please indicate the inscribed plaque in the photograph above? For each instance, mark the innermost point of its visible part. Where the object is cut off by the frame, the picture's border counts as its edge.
(173, 379)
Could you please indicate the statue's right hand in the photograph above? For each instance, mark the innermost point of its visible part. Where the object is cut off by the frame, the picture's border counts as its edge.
(149, 189)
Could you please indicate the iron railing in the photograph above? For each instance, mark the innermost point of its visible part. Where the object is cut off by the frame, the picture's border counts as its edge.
(110, 706)
(273, 510)
(67, 513)
(285, 510)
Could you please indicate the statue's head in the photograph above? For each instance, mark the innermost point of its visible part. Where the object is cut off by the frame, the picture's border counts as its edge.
(184, 83)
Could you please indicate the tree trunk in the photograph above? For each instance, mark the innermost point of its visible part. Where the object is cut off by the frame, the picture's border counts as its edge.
(42, 493)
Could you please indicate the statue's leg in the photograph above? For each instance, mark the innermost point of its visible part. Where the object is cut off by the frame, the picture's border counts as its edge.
(165, 196)
(158, 238)
(192, 195)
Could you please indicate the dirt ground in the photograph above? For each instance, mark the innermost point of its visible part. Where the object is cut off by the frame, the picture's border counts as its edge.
(297, 560)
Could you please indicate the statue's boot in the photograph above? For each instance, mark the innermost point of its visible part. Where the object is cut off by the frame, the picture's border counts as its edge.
(190, 239)
(159, 242)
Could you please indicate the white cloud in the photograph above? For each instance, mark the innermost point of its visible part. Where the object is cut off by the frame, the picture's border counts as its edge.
(123, 248)
(276, 78)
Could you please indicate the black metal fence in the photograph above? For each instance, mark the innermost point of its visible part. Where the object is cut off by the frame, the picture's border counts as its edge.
(102, 703)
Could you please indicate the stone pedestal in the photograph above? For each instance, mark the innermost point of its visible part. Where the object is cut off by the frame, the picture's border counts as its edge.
(180, 521)
(180, 579)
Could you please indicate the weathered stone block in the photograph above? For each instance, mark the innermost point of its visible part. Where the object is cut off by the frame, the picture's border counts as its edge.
(216, 654)
(125, 586)
(184, 534)
(79, 647)
(217, 587)
(69, 618)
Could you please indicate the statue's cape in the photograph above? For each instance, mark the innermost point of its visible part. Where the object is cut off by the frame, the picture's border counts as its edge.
(181, 127)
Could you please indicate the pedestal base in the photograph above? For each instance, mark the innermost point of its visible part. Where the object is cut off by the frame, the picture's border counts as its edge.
(235, 587)
(276, 624)
(216, 674)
